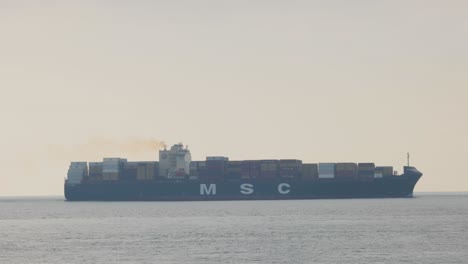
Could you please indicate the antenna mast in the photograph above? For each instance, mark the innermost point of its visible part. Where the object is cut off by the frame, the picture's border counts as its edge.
(407, 157)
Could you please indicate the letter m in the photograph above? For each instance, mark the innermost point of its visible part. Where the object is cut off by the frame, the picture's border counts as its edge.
(204, 189)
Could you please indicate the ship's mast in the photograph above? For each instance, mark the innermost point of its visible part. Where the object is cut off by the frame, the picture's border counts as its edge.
(407, 157)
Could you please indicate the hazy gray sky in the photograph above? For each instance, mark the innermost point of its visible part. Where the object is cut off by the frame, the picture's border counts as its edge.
(315, 80)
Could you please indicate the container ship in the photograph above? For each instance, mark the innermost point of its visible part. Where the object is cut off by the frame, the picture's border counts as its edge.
(177, 178)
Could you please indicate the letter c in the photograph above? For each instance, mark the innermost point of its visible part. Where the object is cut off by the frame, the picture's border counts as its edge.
(282, 190)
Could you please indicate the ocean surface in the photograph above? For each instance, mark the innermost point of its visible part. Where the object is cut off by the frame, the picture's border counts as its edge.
(430, 228)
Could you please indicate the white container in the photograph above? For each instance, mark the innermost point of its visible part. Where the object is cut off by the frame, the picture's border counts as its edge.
(327, 167)
(76, 172)
(326, 170)
(326, 176)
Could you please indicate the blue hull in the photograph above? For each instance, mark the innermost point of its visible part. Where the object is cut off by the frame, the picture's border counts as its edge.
(394, 186)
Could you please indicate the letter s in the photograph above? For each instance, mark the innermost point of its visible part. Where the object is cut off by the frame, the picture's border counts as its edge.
(246, 188)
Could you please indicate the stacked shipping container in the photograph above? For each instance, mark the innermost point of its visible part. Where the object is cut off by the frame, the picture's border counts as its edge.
(309, 171)
(326, 170)
(77, 171)
(111, 169)
(95, 171)
(146, 171)
(383, 171)
(202, 170)
(193, 168)
(254, 166)
(346, 171)
(290, 168)
(129, 172)
(215, 169)
(234, 170)
(220, 168)
(245, 170)
(250, 169)
(269, 169)
(366, 171)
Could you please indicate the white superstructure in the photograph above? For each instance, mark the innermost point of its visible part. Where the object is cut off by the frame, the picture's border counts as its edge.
(175, 163)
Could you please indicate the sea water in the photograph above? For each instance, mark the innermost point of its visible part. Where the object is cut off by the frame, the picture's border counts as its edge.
(429, 228)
